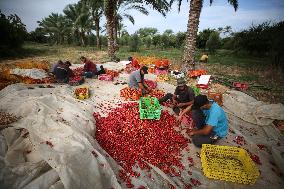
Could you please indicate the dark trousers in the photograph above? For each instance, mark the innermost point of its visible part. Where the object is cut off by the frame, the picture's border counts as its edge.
(199, 120)
(167, 97)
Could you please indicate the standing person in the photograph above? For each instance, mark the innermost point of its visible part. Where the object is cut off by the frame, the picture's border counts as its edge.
(136, 80)
(210, 121)
(182, 97)
(90, 68)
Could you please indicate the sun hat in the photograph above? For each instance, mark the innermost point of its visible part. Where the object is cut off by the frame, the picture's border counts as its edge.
(181, 82)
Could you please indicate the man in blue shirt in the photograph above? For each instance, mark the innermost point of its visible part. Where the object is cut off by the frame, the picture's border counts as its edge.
(210, 121)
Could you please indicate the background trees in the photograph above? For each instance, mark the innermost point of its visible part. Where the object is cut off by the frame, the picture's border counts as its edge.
(192, 28)
(13, 32)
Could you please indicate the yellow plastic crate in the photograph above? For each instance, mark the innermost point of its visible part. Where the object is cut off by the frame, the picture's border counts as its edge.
(228, 163)
(81, 96)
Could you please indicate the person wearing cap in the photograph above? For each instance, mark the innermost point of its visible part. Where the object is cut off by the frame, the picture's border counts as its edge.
(210, 121)
(136, 80)
(182, 97)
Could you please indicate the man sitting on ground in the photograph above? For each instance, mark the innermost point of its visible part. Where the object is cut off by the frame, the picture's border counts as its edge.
(182, 97)
(136, 80)
(90, 68)
(210, 121)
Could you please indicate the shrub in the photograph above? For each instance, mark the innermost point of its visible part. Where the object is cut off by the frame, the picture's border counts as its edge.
(134, 43)
(213, 42)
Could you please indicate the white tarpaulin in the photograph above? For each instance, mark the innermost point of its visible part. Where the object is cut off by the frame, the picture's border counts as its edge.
(57, 151)
(32, 73)
(251, 110)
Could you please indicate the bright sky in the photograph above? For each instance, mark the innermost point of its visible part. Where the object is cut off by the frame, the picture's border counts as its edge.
(220, 14)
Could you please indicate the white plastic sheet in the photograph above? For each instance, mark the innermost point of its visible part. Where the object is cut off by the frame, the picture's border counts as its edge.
(32, 73)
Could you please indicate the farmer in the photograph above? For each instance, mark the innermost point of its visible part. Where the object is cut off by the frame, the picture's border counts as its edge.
(204, 58)
(62, 72)
(59, 62)
(182, 97)
(210, 121)
(136, 80)
(67, 64)
(90, 68)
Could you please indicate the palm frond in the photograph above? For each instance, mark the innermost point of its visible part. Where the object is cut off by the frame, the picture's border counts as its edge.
(138, 8)
(234, 3)
(130, 18)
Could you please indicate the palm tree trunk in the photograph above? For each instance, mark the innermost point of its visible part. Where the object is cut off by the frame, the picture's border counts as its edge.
(97, 25)
(115, 35)
(192, 28)
(82, 38)
(110, 25)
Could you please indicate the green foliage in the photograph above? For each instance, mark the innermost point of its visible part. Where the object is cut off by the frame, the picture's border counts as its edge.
(56, 26)
(262, 40)
(124, 40)
(144, 32)
(156, 40)
(148, 41)
(213, 42)
(180, 39)
(13, 32)
(203, 37)
(134, 43)
(38, 36)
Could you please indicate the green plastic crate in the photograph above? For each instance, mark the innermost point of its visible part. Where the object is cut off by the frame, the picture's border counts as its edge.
(149, 108)
(196, 90)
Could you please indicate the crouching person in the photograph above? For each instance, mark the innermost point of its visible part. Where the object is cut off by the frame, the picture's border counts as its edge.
(182, 97)
(63, 72)
(136, 80)
(210, 121)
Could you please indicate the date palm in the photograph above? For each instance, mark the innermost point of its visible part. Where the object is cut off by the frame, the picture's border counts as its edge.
(192, 28)
(79, 16)
(56, 26)
(96, 8)
(121, 9)
(110, 10)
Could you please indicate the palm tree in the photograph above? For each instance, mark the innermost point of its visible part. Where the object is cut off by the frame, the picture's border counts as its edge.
(110, 7)
(122, 7)
(56, 26)
(80, 18)
(192, 28)
(96, 8)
